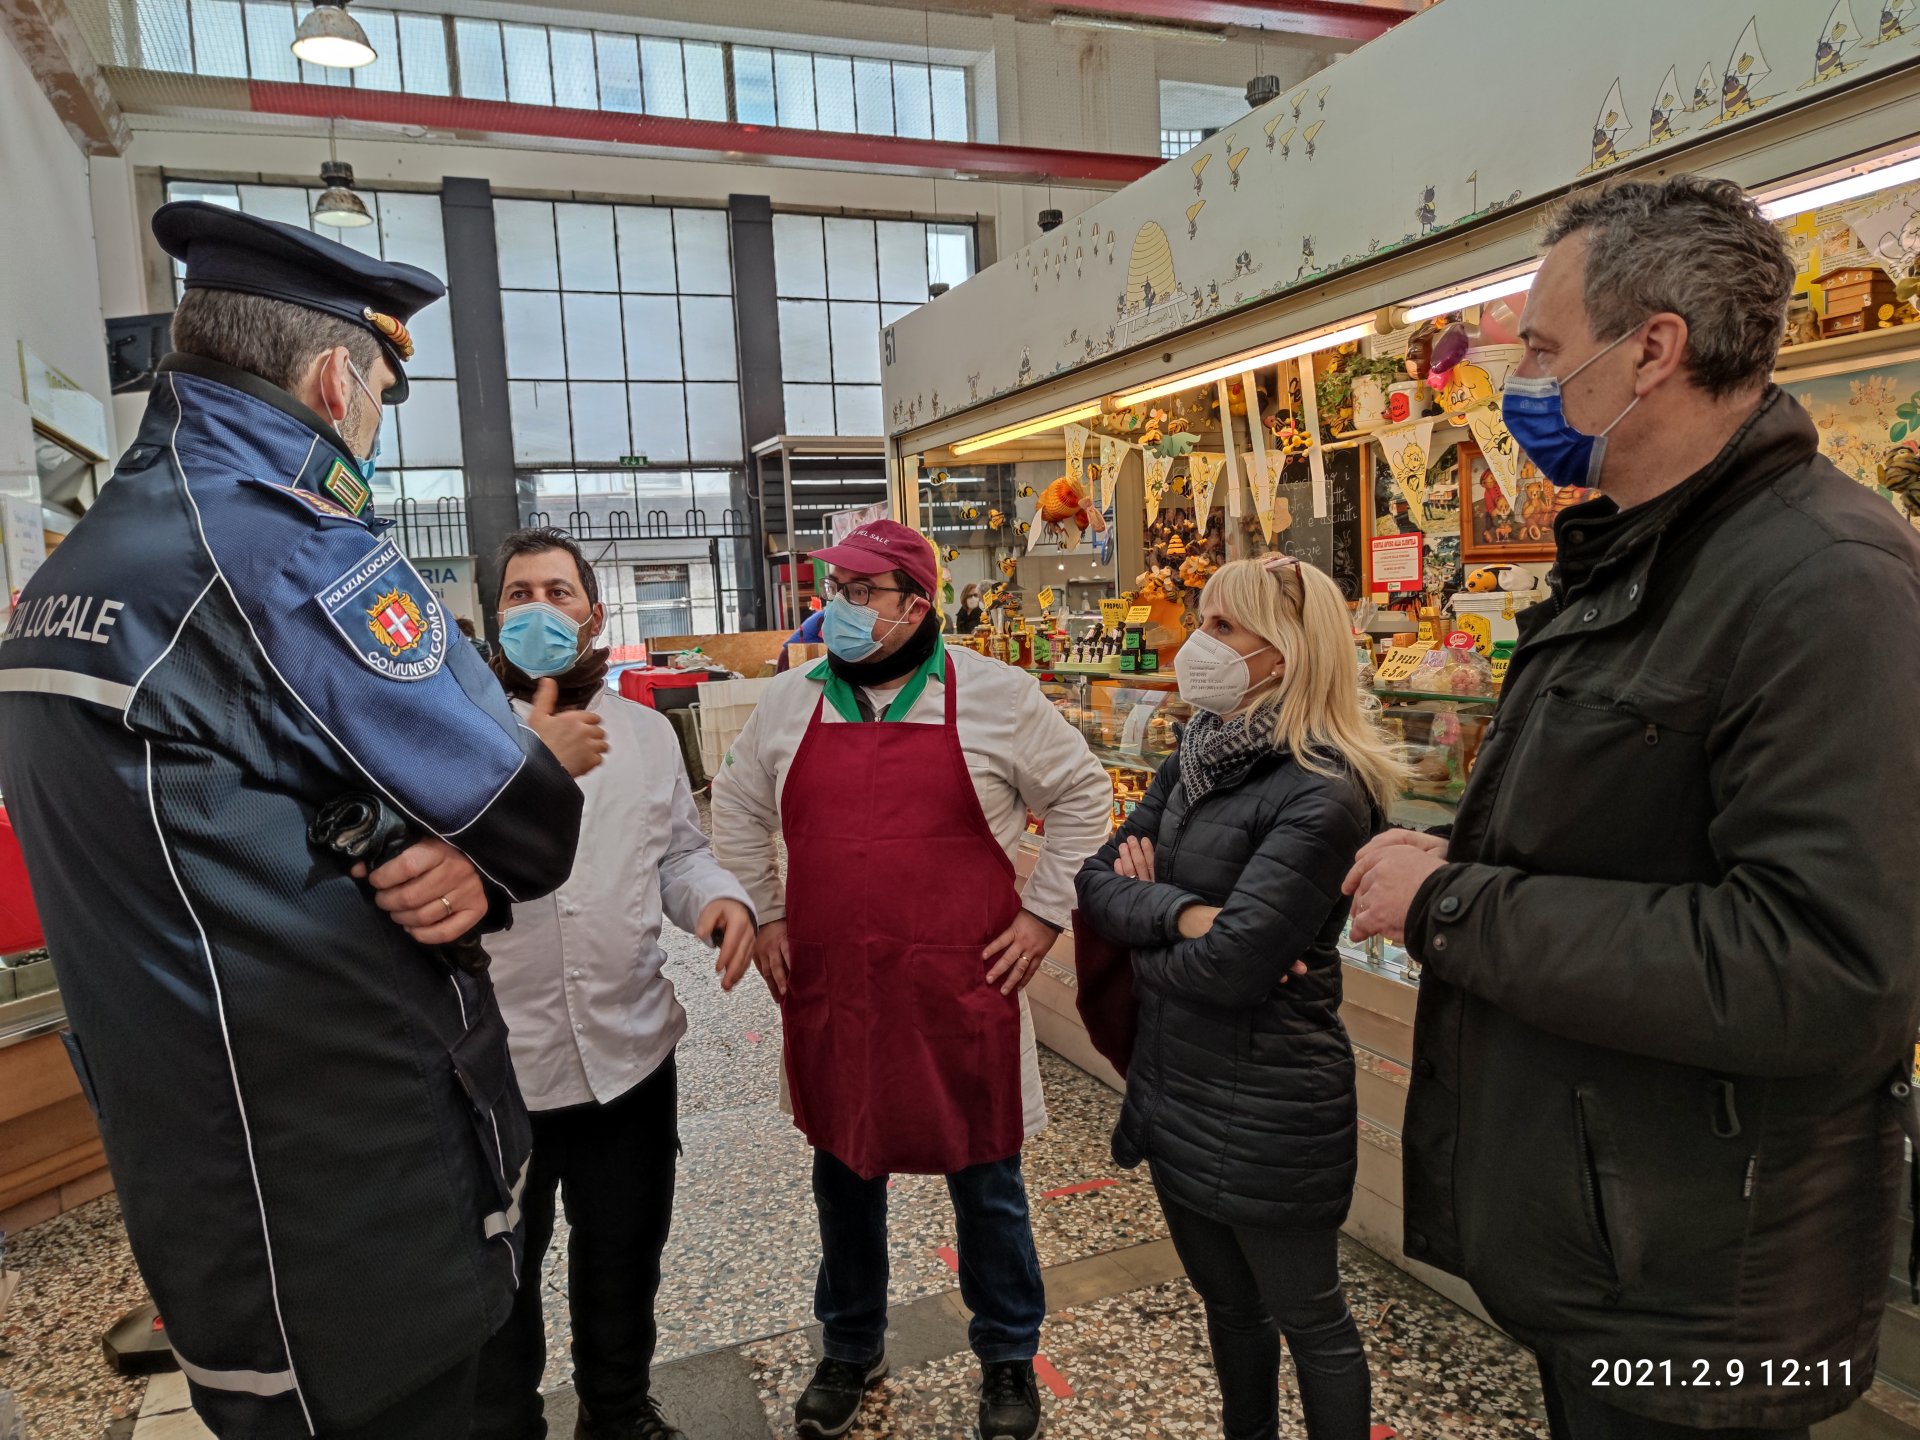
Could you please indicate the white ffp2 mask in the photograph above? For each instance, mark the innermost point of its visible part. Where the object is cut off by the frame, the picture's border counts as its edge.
(1212, 674)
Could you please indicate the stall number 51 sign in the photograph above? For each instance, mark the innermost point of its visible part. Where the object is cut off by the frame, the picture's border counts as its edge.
(887, 348)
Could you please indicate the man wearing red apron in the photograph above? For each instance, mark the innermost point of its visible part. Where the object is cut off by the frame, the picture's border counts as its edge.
(900, 774)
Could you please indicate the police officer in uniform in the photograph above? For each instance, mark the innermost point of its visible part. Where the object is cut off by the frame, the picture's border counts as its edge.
(310, 1114)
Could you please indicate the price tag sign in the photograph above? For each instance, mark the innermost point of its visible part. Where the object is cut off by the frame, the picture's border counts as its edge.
(1045, 597)
(1112, 613)
(1139, 615)
(1500, 663)
(1400, 663)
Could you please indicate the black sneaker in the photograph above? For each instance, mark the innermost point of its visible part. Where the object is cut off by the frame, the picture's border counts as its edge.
(649, 1424)
(832, 1400)
(1009, 1401)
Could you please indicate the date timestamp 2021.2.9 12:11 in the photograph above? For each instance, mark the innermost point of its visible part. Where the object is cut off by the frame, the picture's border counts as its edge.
(1722, 1374)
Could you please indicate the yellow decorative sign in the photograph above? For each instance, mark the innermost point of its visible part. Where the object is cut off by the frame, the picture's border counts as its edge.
(1139, 614)
(1481, 628)
(1400, 663)
(1045, 597)
(1113, 613)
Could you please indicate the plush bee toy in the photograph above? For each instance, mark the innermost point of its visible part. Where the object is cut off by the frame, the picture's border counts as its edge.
(1490, 578)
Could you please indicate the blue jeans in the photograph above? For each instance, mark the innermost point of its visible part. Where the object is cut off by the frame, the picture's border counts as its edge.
(999, 1271)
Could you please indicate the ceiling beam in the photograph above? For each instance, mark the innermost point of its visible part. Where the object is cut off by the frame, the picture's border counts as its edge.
(50, 42)
(721, 140)
(1313, 19)
(1354, 21)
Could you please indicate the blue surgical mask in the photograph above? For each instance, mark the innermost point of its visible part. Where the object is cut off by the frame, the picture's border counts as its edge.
(848, 629)
(1534, 417)
(371, 464)
(540, 639)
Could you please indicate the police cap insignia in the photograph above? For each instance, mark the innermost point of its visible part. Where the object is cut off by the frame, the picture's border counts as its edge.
(226, 250)
(397, 334)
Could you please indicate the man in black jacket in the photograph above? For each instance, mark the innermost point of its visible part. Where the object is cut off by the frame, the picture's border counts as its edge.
(1664, 1036)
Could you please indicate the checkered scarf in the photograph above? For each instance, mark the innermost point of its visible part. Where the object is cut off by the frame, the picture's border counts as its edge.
(1214, 749)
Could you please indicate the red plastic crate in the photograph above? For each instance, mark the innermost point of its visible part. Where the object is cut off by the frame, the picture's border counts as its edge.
(639, 685)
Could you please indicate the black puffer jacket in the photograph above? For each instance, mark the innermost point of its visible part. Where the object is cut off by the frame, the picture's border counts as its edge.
(1241, 1088)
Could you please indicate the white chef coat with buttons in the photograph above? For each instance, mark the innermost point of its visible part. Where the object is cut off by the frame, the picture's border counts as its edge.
(579, 974)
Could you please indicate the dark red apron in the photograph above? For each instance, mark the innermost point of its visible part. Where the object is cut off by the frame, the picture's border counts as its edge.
(900, 1057)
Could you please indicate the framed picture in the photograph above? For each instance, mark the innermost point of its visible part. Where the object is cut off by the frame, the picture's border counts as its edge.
(1498, 527)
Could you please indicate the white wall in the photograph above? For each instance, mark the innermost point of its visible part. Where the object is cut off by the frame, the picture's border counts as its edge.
(49, 286)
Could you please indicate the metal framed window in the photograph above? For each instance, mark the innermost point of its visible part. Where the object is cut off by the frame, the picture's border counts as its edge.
(535, 64)
(634, 526)
(1175, 143)
(840, 280)
(620, 333)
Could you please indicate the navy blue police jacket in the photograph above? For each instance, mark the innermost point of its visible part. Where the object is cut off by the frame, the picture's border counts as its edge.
(311, 1121)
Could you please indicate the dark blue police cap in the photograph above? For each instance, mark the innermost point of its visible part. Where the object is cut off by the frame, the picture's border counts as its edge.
(226, 250)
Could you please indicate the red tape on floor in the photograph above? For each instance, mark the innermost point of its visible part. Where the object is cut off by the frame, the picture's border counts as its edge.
(1080, 1189)
(1382, 1432)
(1057, 1383)
(951, 1256)
(753, 1037)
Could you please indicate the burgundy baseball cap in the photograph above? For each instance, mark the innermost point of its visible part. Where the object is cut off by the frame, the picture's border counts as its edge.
(883, 545)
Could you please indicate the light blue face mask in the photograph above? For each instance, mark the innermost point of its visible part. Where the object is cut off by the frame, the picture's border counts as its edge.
(371, 464)
(848, 629)
(540, 639)
(1532, 411)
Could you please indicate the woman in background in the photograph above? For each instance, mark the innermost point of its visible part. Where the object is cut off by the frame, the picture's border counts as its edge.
(970, 616)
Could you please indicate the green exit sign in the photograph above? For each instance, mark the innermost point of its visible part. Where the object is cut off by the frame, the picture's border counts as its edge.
(633, 462)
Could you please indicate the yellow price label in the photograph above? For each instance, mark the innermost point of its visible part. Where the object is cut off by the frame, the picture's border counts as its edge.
(1045, 597)
(1112, 613)
(1400, 663)
(1481, 628)
(1500, 663)
(1139, 615)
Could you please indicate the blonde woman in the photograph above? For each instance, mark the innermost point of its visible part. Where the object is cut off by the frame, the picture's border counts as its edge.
(1225, 884)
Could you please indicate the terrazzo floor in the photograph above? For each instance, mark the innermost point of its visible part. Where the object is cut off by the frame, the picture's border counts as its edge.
(1130, 1361)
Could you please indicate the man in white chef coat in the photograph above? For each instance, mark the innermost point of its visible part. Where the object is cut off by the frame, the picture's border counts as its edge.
(593, 1022)
(900, 774)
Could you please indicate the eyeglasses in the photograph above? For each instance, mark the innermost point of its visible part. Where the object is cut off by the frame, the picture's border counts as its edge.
(858, 592)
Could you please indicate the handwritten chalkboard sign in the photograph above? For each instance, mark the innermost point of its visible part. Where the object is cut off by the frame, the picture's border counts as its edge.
(1332, 543)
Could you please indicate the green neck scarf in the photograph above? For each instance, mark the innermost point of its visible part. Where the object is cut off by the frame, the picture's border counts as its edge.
(840, 694)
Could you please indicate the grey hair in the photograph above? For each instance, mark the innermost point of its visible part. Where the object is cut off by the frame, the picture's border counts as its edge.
(1697, 248)
(269, 338)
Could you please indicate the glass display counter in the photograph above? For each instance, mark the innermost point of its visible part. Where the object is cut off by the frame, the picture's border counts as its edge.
(1131, 723)
(30, 1002)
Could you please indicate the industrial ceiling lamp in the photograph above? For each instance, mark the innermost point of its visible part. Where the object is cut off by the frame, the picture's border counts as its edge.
(1051, 220)
(338, 206)
(1261, 89)
(331, 37)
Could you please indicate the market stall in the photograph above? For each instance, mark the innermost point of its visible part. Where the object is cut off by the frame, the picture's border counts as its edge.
(1296, 338)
